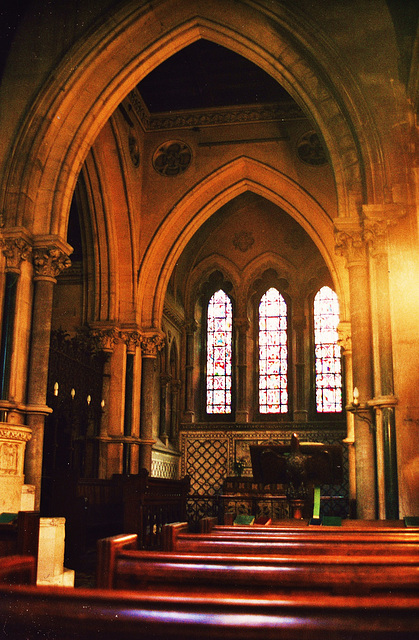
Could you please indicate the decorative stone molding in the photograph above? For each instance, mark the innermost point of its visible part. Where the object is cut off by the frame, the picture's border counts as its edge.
(49, 262)
(18, 433)
(15, 249)
(286, 111)
(151, 344)
(172, 158)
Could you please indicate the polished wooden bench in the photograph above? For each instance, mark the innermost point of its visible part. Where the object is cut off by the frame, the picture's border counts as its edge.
(177, 538)
(60, 613)
(17, 570)
(121, 566)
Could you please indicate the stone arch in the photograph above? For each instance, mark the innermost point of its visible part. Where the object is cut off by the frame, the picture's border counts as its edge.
(101, 69)
(242, 174)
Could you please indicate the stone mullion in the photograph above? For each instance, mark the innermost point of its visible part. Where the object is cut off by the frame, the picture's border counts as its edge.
(242, 403)
(48, 263)
(350, 243)
(300, 412)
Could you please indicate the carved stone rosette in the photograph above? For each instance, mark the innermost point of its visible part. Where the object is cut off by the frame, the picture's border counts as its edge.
(49, 262)
(15, 250)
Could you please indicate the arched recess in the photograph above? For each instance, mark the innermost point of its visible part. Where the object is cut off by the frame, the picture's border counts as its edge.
(102, 67)
(242, 174)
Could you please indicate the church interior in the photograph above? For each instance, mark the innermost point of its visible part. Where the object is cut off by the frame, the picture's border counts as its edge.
(208, 268)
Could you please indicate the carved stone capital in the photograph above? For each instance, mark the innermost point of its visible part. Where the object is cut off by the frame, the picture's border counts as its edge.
(377, 221)
(350, 243)
(151, 344)
(15, 249)
(132, 339)
(49, 262)
(105, 339)
(191, 326)
(345, 336)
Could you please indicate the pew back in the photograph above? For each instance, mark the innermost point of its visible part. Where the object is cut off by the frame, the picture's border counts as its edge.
(70, 614)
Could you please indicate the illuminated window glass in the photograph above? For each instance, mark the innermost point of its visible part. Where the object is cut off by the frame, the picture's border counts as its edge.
(219, 353)
(327, 352)
(273, 353)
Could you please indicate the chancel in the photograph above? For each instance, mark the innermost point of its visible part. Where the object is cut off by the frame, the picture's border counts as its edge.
(208, 244)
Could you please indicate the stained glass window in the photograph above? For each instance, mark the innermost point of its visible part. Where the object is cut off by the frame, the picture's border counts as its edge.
(219, 353)
(327, 352)
(273, 353)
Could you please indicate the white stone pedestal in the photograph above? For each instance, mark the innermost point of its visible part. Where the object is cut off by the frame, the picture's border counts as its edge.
(13, 439)
(51, 569)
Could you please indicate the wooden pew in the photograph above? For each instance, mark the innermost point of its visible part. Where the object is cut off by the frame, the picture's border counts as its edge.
(177, 538)
(21, 536)
(210, 524)
(121, 567)
(17, 570)
(59, 613)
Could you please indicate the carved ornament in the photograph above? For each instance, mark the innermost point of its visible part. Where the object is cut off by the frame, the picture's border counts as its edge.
(172, 158)
(15, 250)
(243, 240)
(151, 344)
(310, 150)
(345, 336)
(210, 117)
(49, 262)
(23, 434)
(350, 244)
(105, 339)
(132, 339)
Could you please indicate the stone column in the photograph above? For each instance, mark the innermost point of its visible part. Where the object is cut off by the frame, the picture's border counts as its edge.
(151, 343)
(350, 243)
(242, 405)
(190, 329)
(15, 248)
(376, 232)
(106, 338)
(345, 342)
(48, 263)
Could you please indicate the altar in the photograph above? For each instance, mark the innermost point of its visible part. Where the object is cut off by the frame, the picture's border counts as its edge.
(283, 480)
